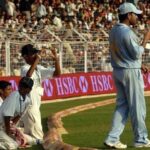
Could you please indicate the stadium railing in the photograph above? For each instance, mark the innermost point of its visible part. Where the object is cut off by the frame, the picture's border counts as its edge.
(79, 50)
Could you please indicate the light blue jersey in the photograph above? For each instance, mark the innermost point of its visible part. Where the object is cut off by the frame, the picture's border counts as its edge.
(126, 59)
(124, 47)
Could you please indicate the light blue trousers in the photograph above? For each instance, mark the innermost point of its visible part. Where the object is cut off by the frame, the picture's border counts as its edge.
(130, 102)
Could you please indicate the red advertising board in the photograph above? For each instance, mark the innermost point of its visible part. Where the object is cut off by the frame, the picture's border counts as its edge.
(78, 84)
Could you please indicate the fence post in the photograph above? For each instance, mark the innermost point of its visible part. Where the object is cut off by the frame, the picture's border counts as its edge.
(61, 55)
(85, 48)
(7, 57)
(85, 57)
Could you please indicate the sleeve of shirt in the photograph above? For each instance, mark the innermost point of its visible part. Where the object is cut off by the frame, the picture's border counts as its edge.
(133, 48)
(46, 72)
(9, 105)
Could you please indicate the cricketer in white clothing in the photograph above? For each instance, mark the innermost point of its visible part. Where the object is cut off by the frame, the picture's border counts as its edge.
(32, 120)
(11, 110)
(33, 116)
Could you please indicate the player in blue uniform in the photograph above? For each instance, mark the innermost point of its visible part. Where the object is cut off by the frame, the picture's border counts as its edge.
(126, 51)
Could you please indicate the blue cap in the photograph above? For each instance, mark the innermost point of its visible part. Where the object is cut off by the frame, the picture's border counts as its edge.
(127, 8)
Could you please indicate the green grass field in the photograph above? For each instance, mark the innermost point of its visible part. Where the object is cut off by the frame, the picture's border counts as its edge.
(87, 128)
(90, 128)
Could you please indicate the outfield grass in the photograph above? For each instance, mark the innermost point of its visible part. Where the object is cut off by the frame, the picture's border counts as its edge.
(87, 128)
(51, 108)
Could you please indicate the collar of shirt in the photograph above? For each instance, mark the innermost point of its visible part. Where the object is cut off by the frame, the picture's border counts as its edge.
(22, 98)
(122, 24)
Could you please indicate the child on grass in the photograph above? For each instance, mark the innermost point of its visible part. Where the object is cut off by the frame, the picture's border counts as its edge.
(10, 112)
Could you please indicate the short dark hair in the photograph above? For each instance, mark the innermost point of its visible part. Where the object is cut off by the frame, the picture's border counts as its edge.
(122, 17)
(26, 82)
(28, 49)
(4, 84)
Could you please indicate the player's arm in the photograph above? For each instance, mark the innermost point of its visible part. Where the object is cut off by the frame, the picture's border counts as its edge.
(57, 71)
(16, 119)
(34, 65)
(7, 120)
(144, 68)
(146, 39)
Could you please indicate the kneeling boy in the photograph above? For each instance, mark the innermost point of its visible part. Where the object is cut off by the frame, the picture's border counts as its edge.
(11, 110)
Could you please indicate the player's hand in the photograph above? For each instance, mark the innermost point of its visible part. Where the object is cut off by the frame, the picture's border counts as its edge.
(144, 69)
(38, 56)
(54, 54)
(147, 35)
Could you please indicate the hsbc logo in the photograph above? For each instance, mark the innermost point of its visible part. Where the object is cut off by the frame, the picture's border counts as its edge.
(148, 78)
(83, 84)
(13, 85)
(48, 87)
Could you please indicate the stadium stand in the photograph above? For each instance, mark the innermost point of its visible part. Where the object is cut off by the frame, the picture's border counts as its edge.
(77, 28)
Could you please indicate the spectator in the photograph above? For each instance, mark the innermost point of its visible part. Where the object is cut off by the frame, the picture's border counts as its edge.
(41, 10)
(10, 8)
(25, 7)
(57, 22)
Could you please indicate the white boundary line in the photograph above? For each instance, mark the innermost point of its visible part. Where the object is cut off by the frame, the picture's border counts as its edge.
(147, 93)
(75, 98)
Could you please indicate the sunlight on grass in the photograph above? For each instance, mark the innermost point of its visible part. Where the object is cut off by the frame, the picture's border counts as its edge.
(51, 108)
(88, 128)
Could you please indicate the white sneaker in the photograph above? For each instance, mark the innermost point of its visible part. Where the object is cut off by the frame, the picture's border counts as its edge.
(117, 145)
(139, 145)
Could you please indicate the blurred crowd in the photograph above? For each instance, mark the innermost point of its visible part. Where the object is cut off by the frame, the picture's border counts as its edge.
(91, 18)
(87, 14)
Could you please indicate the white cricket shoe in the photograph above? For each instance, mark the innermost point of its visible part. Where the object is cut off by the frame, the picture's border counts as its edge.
(139, 145)
(117, 145)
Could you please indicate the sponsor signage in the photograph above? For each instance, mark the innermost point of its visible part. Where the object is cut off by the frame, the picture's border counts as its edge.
(78, 84)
